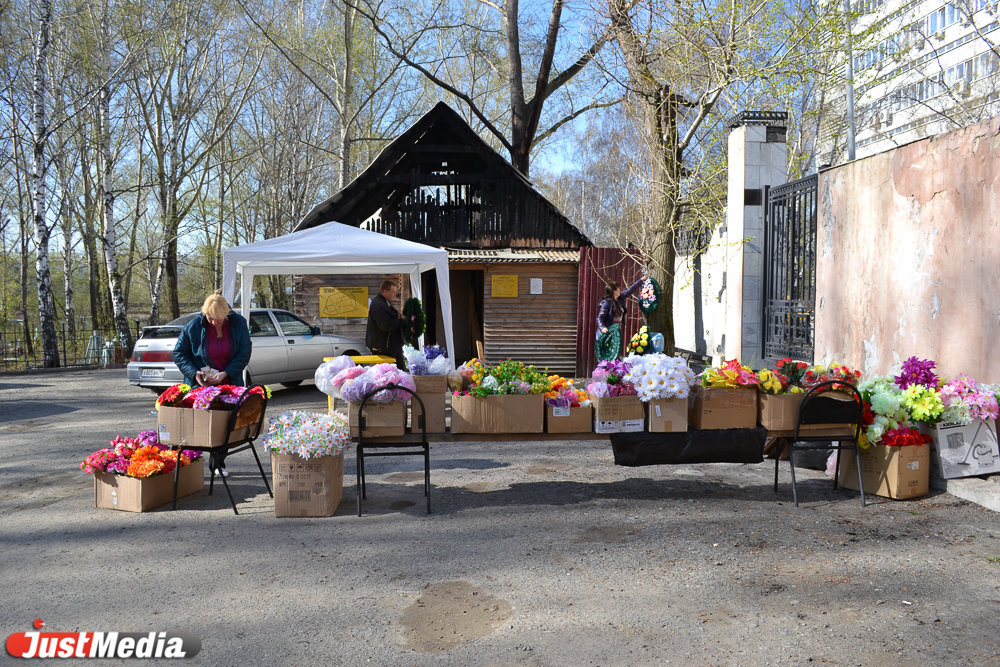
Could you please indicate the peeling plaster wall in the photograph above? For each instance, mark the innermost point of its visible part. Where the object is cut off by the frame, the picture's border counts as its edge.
(908, 261)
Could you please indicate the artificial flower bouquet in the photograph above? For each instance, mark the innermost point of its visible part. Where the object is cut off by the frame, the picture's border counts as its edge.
(327, 372)
(429, 361)
(504, 379)
(730, 375)
(649, 296)
(357, 382)
(884, 409)
(842, 375)
(508, 397)
(658, 376)
(139, 457)
(563, 394)
(217, 397)
(307, 435)
(641, 342)
(609, 379)
(966, 400)
(137, 474)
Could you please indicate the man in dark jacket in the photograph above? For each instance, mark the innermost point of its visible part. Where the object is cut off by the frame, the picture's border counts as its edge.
(384, 334)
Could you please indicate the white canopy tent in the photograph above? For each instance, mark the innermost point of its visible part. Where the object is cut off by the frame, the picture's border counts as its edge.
(333, 248)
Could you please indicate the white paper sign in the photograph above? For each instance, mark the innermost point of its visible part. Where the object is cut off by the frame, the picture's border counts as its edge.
(657, 408)
(536, 286)
(560, 412)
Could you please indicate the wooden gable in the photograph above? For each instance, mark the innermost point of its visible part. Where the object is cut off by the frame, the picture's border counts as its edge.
(439, 183)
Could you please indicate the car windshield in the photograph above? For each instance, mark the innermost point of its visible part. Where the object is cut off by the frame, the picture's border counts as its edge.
(182, 320)
(161, 332)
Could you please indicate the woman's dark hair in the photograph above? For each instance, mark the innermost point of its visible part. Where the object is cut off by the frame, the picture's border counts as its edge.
(609, 289)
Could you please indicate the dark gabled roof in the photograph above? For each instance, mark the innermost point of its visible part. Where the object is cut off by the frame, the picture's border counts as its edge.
(440, 136)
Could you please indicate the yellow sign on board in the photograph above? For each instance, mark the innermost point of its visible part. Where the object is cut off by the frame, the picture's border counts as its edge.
(504, 286)
(343, 302)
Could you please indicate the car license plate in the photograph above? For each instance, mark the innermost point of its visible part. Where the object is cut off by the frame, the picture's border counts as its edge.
(152, 372)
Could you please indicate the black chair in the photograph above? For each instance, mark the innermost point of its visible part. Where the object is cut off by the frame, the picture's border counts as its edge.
(246, 422)
(823, 408)
(395, 449)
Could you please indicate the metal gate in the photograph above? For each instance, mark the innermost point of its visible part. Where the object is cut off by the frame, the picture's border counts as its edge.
(789, 298)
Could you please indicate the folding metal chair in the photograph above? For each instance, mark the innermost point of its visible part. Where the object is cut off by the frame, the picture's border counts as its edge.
(245, 424)
(821, 408)
(397, 449)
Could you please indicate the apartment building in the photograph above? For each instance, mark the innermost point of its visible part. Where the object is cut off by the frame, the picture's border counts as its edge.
(921, 67)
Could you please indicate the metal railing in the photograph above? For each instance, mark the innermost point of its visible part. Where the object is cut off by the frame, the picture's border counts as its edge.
(88, 348)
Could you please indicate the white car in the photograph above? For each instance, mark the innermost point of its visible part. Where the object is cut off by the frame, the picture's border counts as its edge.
(286, 350)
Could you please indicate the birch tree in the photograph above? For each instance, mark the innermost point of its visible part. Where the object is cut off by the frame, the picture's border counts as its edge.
(39, 176)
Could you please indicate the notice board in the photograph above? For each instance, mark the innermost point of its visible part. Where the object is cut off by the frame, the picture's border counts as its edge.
(504, 286)
(343, 302)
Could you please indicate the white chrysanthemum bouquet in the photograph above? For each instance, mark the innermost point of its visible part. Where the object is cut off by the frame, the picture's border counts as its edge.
(659, 376)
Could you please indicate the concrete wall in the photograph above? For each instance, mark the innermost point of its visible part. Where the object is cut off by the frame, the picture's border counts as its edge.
(909, 256)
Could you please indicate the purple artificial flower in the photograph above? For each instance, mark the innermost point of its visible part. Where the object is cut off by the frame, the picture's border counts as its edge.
(118, 467)
(917, 371)
(203, 401)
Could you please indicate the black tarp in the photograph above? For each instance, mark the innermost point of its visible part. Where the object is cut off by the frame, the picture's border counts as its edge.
(736, 445)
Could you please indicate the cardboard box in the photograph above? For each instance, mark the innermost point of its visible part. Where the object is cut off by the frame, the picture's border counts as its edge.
(963, 451)
(569, 420)
(722, 407)
(667, 415)
(129, 494)
(890, 472)
(781, 412)
(197, 428)
(431, 384)
(381, 419)
(520, 413)
(307, 487)
(618, 414)
(432, 390)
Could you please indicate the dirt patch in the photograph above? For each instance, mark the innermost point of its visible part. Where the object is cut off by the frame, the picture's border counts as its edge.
(478, 487)
(450, 613)
(602, 534)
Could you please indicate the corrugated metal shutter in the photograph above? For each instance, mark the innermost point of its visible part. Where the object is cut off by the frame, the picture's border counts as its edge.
(536, 329)
(597, 266)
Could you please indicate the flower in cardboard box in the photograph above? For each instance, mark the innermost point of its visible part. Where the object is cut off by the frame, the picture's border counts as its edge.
(657, 376)
(730, 374)
(905, 437)
(136, 457)
(965, 399)
(838, 372)
(793, 370)
(884, 408)
(923, 403)
(917, 371)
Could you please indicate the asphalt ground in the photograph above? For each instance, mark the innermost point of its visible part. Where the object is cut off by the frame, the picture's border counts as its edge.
(536, 554)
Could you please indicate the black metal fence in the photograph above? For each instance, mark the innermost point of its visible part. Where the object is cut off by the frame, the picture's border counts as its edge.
(789, 301)
(87, 348)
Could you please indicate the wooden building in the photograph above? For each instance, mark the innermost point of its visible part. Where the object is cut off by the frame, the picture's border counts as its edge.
(513, 255)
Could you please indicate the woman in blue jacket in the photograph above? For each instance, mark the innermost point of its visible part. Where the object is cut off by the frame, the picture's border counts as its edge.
(219, 339)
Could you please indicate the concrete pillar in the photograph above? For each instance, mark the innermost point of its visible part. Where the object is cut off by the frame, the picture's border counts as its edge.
(758, 159)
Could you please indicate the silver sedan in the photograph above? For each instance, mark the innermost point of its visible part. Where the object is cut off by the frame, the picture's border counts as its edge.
(286, 350)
